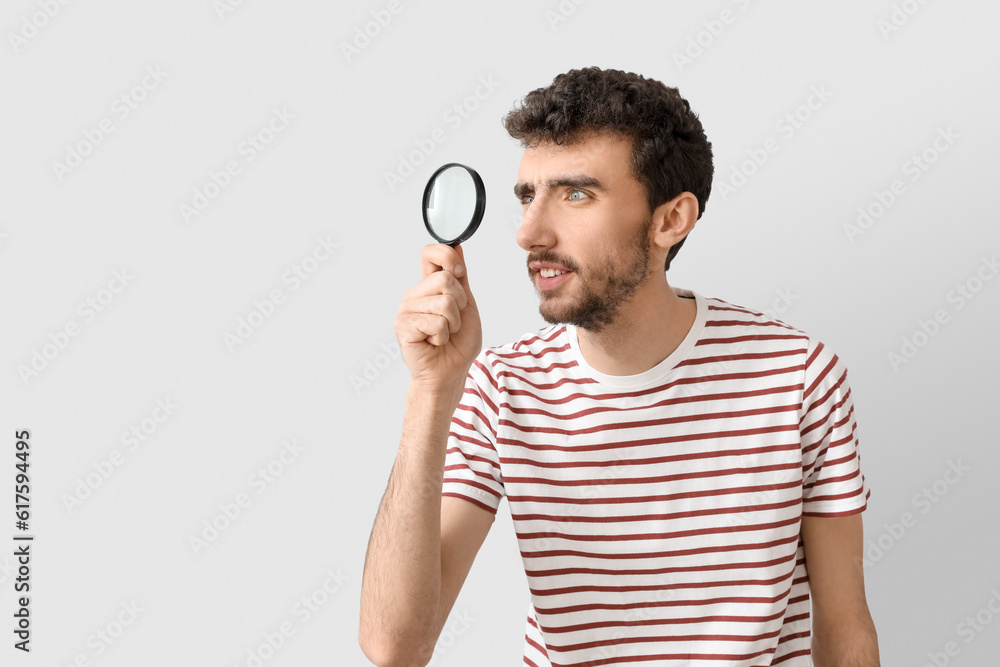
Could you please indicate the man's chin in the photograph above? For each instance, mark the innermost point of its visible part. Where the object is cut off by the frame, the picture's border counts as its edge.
(554, 315)
(574, 318)
(592, 317)
(551, 318)
(555, 310)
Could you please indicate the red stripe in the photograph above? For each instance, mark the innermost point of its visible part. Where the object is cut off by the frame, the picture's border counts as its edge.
(468, 426)
(662, 554)
(643, 442)
(848, 418)
(477, 413)
(712, 618)
(745, 323)
(649, 480)
(475, 485)
(470, 457)
(512, 498)
(822, 375)
(533, 353)
(486, 507)
(546, 369)
(752, 565)
(638, 537)
(541, 592)
(537, 646)
(744, 599)
(738, 357)
(483, 397)
(665, 639)
(651, 390)
(674, 400)
(836, 514)
(755, 337)
(465, 467)
(837, 480)
(680, 419)
(551, 385)
(738, 509)
(694, 456)
(743, 309)
(475, 441)
(789, 656)
(835, 496)
(553, 333)
(486, 373)
(821, 401)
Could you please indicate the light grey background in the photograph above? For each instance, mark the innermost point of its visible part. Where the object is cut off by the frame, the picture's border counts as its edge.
(776, 243)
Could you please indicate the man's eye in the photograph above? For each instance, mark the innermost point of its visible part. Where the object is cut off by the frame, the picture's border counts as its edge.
(573, 193)
(526, 199)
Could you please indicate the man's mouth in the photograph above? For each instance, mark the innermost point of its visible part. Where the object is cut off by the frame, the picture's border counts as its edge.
(550, 279)
(548, 273)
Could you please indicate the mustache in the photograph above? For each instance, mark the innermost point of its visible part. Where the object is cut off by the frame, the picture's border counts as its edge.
(549, 257)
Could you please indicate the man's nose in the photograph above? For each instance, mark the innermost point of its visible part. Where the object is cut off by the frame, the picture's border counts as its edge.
(536, 229)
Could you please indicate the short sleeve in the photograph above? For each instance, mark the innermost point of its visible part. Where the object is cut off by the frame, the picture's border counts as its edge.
(472, 465)
(833, 484)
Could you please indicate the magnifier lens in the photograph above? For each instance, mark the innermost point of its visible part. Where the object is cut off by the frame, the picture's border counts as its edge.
(454, 203)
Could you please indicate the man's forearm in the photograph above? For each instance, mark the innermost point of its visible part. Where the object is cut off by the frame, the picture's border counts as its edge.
(856, 646)
(401, 584)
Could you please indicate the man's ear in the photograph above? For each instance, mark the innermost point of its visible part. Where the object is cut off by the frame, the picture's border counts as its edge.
(673, 220)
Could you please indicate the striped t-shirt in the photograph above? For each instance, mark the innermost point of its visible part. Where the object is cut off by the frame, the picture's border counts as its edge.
(658, 514)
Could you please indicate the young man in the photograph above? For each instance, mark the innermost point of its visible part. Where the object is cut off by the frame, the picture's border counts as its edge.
(683, 473)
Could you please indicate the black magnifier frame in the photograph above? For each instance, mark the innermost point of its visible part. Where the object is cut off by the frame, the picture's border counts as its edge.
(477, 213)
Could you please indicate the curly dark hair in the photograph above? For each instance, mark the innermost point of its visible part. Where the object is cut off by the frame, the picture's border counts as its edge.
(670, 153)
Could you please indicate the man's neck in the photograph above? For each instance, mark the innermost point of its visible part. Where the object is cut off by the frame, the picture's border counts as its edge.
(646, 331)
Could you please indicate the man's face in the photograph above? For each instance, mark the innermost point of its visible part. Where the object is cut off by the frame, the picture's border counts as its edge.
(586, 229)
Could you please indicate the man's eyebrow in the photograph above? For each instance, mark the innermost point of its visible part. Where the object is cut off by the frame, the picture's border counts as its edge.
(571, 181)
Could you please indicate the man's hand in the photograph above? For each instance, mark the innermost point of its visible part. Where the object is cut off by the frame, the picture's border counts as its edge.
(438, 324)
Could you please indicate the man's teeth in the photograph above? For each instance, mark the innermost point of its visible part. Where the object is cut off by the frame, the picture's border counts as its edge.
(550, 273)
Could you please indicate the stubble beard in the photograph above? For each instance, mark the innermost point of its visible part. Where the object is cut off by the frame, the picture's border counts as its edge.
(601, 292)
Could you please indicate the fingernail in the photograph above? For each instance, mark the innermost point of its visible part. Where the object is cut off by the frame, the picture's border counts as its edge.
(459, 269)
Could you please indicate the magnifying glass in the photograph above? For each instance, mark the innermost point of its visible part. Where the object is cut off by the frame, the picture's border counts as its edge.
(454, 203)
